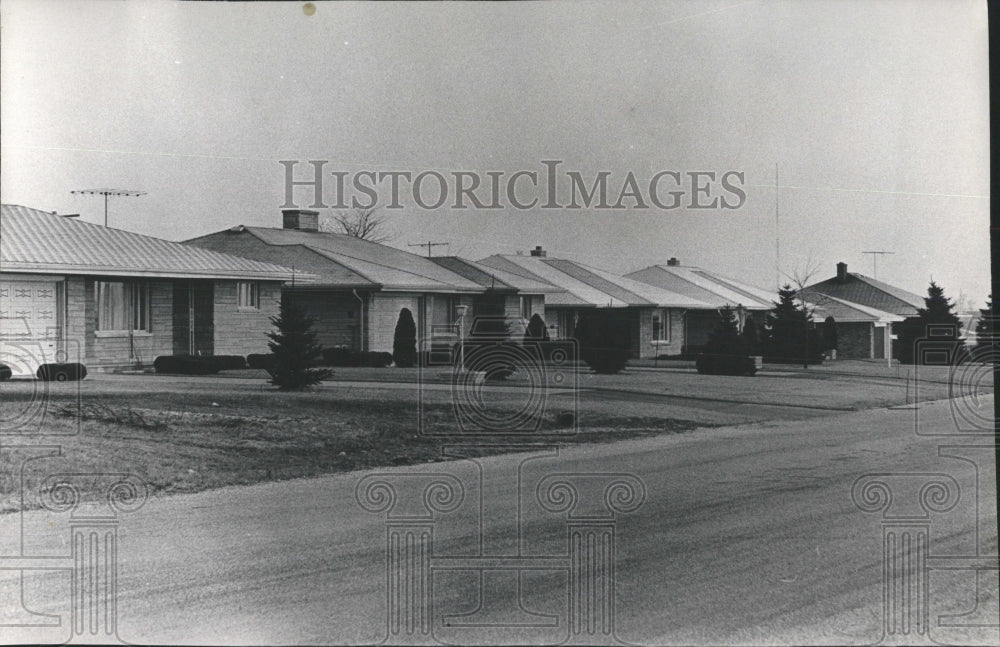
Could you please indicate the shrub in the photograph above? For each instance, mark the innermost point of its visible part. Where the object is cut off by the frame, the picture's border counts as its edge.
(342, 356)
(604, 344)
(725, 351)
(536, 329)
(186, 364)
(260, 360)
(61, 372)
(404, 341)
(293, 345)
(230, 362)
(5, 372)
(725, 364)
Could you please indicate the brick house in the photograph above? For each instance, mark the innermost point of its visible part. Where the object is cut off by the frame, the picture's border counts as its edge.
(81, 292)
(882, 303)
(360, 286)
(749, 302)
(652, 316)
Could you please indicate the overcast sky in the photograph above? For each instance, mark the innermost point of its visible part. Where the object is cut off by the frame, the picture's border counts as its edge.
(876, 114)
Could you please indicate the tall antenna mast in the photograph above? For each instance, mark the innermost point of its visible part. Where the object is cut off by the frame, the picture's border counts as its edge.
(875, 255)
(106, 193)
(777, 248)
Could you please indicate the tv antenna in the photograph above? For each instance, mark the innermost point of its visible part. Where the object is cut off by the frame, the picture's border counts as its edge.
(428, 245)
(875, 255)
(106, 193)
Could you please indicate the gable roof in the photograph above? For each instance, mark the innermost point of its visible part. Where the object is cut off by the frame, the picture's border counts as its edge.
(38, 242)
(587, 285)
(870, 292)
(704, 285)
(342, 260)
(847, 312)
(493, 278)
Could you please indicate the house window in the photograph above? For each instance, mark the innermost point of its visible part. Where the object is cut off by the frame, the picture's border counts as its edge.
(247, 295)
(122, 306)
(661, 326)
(525, 307)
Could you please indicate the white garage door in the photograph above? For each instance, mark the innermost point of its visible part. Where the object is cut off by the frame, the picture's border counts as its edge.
(28, 325)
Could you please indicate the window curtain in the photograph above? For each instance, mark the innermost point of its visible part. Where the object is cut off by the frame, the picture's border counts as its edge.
(111, 306)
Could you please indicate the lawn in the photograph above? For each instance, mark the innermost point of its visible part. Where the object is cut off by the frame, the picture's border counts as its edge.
(188, 437)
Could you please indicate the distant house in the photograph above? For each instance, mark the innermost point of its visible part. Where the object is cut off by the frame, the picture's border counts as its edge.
(504, 293)
(80, 292)
(360, 286)
(862, 332)
(653, 317)
(882, 303)
(715, 290)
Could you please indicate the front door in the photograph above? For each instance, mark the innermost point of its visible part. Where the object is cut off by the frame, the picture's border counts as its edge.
(193, 317)
(879, 343)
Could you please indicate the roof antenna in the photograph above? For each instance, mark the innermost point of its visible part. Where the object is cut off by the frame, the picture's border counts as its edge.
(874, 264)
(106, 193)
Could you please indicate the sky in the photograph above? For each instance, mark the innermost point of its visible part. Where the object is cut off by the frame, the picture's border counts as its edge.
(874, 115)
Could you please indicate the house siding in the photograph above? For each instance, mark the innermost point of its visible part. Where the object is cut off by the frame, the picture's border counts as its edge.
(242, 332)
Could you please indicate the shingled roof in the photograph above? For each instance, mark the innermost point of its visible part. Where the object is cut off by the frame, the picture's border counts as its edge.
(340, 260)
(704, 285)
(39, 242)
(587, 285)
(870, 292)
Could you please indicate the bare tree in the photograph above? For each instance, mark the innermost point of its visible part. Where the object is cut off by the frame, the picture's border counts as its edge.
(360, 223)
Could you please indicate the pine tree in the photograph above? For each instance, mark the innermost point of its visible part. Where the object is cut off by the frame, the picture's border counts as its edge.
(294, 349)
(788, 325)
(830, 334)
(725, 337)
(936, 321)
(404, 341)
(986, 329)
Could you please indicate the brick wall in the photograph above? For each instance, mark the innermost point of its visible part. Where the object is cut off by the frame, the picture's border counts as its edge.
(854, 340)
(337, 316)
(383, 312)
(242, 332)
(74, 337)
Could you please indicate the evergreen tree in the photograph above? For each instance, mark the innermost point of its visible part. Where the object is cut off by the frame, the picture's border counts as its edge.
(294, 349)
(788, 331)
(935, 321)
(751, 341)
(404, 341)
(725, 338)
(986, 329)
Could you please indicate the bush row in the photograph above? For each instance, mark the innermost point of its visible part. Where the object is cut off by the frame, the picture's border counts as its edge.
(198, 364)
(340, 356)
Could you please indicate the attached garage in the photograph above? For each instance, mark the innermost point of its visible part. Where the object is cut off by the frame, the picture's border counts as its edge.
(29, 324)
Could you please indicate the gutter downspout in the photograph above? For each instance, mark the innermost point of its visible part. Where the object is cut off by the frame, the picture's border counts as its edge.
(361, 319)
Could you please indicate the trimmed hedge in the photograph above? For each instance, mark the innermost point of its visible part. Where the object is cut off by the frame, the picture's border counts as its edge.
(345, 357)
(70, 372)
(726, 365)
(198, 364)
(5, 372)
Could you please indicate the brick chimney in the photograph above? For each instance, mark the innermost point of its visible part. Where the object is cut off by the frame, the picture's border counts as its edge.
(300, 219)
(673, 262)
(538, 251)
(842, 271)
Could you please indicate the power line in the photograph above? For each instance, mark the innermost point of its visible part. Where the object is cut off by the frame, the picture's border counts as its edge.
(428, 245)
(106, 193)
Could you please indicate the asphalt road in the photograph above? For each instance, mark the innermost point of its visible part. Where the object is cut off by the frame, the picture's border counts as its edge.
(745, 535)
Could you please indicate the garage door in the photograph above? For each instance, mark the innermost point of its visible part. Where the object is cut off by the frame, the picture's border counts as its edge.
(28, 325)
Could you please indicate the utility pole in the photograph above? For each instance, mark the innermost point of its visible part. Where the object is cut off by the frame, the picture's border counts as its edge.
(428, 245)
(874, 264)
(106, 193)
